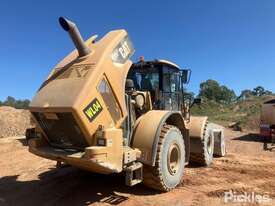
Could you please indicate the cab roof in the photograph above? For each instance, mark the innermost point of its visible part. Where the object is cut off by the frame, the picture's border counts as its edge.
(163, 61)
(157, 62)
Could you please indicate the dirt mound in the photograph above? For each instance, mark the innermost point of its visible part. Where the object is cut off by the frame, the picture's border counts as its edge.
(13, 122)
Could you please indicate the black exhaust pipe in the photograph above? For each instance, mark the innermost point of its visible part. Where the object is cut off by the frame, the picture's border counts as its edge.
(75, 35)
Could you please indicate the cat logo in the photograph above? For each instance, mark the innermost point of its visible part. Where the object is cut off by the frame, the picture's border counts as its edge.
(93, 109)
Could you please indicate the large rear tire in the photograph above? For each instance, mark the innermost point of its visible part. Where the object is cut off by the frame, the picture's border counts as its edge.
(203, 148)
(170, 161)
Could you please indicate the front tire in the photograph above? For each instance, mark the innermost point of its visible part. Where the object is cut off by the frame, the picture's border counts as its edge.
(170, 161)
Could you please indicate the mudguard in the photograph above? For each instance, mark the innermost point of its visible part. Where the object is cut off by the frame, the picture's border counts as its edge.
(147, 130)
(196, 126)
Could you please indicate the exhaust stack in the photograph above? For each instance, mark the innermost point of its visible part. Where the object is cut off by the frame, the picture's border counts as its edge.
(75, 35)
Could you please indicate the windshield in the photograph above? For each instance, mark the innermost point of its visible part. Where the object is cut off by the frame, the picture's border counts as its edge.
(146, 79)
(147, 82)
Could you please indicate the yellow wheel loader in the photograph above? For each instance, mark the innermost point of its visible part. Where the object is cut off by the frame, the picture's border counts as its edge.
(100, 112)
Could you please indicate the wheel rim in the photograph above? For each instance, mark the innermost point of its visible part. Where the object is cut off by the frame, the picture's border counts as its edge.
(223, 149)
(209, 144)
(174, 158)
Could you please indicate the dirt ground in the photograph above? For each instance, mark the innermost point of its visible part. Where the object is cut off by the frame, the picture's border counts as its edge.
(29, 180)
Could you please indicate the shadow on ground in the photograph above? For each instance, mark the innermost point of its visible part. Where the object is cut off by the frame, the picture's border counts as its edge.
(251, 137)
(67, 186)
(23, 141)
(254, 137)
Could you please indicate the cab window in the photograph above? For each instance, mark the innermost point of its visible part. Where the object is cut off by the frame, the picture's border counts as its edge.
(171, 80)
(145, 79)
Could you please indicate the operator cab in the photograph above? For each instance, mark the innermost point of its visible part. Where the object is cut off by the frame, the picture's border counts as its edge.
(163, 79)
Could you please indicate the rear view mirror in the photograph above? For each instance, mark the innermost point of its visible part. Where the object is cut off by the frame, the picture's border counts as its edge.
(185, 76)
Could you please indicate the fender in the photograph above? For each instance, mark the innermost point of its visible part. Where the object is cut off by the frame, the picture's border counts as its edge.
(147, 130)
(196, 126)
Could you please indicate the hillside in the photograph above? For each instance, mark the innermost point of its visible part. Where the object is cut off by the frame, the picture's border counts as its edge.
(246, 112)
(13, 122)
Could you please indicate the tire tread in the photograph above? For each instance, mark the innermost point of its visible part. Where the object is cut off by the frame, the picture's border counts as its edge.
(152, 176)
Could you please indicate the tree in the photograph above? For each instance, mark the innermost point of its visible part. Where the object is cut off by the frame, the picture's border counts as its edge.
(258, 91)
(212, 90)
(245, 94)
(18, 104)
(227, 95)
(10, 101)
(267, 92)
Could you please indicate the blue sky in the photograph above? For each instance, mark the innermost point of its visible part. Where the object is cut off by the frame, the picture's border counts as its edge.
(231, 41)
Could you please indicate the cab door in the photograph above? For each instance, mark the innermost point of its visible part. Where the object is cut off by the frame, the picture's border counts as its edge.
(171, 90)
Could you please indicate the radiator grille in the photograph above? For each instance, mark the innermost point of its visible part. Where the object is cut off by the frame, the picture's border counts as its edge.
(63, 131)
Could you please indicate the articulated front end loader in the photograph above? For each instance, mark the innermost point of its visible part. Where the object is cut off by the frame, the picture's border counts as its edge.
(100, 112)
